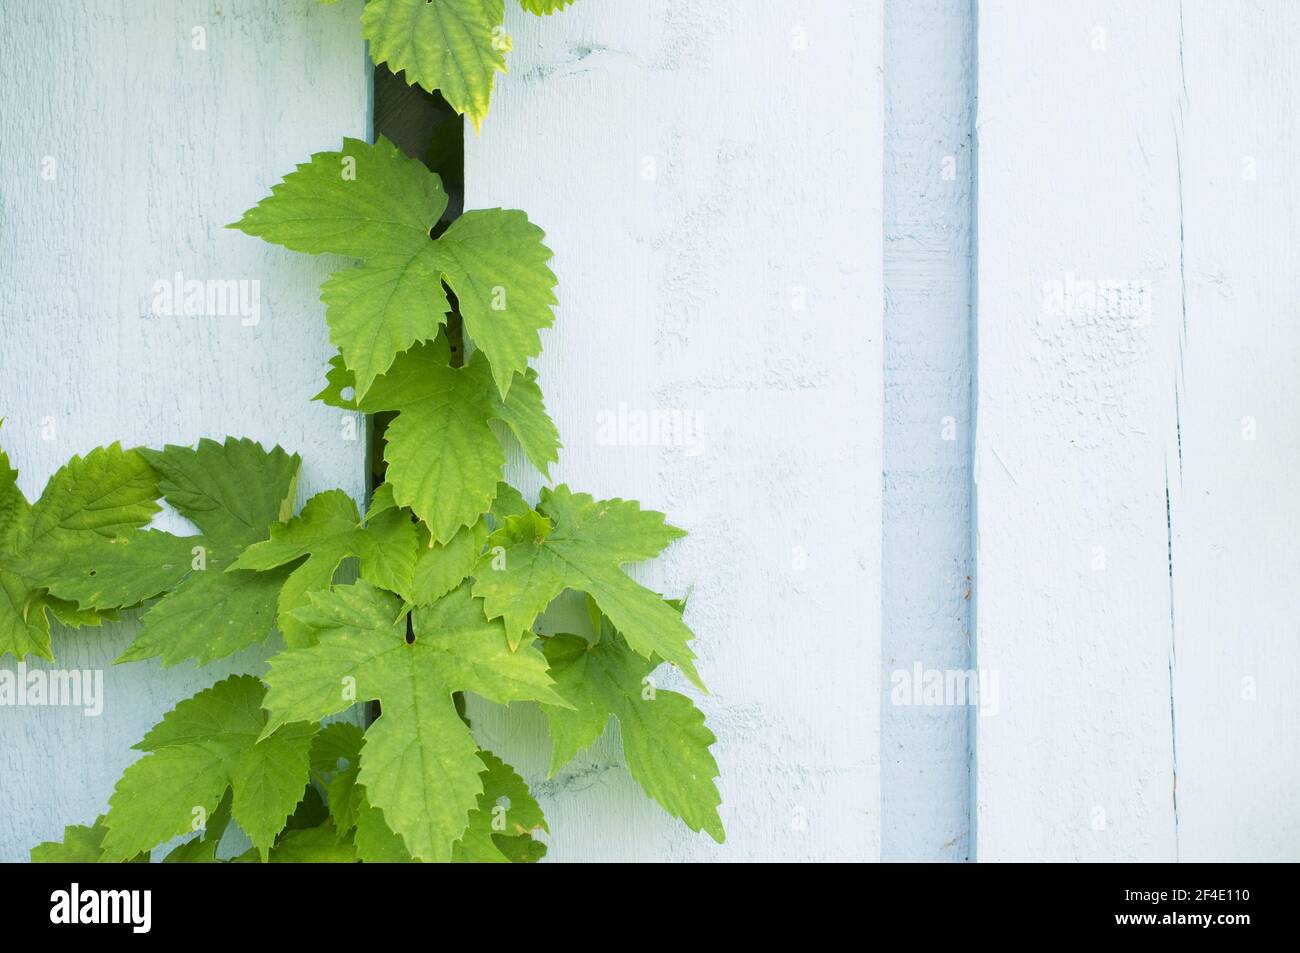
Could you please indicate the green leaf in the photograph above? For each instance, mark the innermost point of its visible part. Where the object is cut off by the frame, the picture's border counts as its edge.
(206, 745)
(80, 845)
(362, 201)
(419, 763)
(371, 202)
(338, 382)
(540, 7)
(196, 850)
(381, 308)
(441, 567)
(335, 759)
(335, 745)
(104, 573)
(575, 542)
(496, 262)
(578, 727)
(210, 616)
(375, 840)
(520, 850)
(383, 211)
(108, 492)
(24, 626)
(665, 741)
(313, 845)
(444, 458)
(202, 848)
(12, 501)
(506, 812)
(453, 46)
(326, 532)
(499, 830)
(73, 616)
(389, 548)
(509, 502)
(311, 811)
(89, 502)
(232, 491)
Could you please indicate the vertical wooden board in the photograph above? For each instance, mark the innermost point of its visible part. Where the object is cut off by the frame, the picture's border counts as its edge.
(709, 176)
(1235, 512)
(1077, 183)
(929, 103)
(132, 133)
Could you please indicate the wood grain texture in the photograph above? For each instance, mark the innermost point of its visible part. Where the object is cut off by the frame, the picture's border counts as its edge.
(709, 176)
(926, 575)
(1077, 183)
(124, 150)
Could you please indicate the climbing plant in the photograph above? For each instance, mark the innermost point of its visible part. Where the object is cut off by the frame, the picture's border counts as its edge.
(454, 46)
(438, 590)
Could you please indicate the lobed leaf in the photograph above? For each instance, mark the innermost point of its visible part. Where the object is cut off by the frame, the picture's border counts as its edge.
(419, 763)
(207, 745)
(89, 502)
(665, 741)
(576, 542)
(373, 203)
(232, 491)
(444, 458)
(454, 46)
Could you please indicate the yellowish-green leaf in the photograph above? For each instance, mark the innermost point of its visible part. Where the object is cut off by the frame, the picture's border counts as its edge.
(206, 745)
(419, 763)
(575, 542)
(373, 203)
(81, 844)
(232, 491)
(90, 501)
(665, 741)
(322, 536)
(382, 307)
(441, 567)
(496, 262)
(454, 46)
(361, 201)
(314, 845)
(444, 458)
(540, 7)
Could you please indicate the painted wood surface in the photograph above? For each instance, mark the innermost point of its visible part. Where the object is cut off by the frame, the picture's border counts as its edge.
(132, 133)
(742, 270)
(927, 567)
(1137, 340)
(1234, 509)
(709, 176)
(1077, 184)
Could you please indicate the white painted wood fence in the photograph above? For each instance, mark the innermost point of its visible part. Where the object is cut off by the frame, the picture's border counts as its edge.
(858, 246)
(1138, 516)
